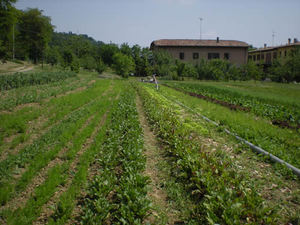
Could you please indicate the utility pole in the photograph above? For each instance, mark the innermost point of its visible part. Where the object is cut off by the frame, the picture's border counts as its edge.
(13, 56)
(201, 19)
(273, 36)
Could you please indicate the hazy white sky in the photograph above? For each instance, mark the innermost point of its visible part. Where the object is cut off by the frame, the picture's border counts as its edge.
(142, 21)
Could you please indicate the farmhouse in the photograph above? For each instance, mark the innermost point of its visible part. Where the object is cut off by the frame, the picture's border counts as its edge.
(267, 55)
(194, 50)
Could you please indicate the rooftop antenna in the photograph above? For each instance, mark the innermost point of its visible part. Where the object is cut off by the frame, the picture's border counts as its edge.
(201, 19)
(273, 36)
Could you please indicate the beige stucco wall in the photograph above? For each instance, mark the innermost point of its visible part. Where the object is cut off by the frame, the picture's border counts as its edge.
(237, 55)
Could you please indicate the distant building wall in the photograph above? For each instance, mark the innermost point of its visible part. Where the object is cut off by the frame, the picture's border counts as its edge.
(234, 55)
(236, 52)
(267, 55)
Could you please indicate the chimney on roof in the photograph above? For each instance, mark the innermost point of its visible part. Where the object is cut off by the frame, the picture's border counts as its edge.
(295, 40)
(218, 40)
(289, 41)
(265, 45)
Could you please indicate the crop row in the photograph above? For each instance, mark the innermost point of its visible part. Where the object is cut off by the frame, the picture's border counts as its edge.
(118, 194)
(17, 123)
(283, 143)
(275, 111)
(44, 149)
(221, 195)
(62, 173)
(71, 136)
(27, 79)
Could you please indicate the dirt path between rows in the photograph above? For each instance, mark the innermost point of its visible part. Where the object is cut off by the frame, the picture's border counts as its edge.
(156, 194)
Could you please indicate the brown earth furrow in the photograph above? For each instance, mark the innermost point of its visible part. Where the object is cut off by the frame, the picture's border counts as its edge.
(47, 209)
(156, 194)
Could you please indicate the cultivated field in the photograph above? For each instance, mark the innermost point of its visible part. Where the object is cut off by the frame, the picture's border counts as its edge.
(79, 149)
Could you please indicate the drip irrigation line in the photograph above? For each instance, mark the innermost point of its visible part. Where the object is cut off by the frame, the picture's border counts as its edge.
(252, 146)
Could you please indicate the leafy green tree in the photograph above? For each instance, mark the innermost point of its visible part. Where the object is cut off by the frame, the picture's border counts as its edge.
(8, 20)
(190, 70)
(123, 64)
(180, 67)
(252, 71)
(125, 49)
(75, 65)
(101, 67)
(52, 56)
(163, 64)
(6, 4)
(67, 58)
(35, 32)
(107, 53)
(88, 62)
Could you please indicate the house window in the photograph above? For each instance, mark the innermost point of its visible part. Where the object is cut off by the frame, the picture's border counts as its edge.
(254, 58)
(258, 57)
(284, 53)
(195, 55)
(213, 55)
(250, 57)
(181, 55)
(279, 54)
(274, 55)
(226, 55)
(262, 56)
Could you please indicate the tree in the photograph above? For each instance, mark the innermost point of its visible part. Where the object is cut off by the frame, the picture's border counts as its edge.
(52, 56)
(101, 67)
(163, 64)
(107, 53)
(5, 4)
(123, 64)
(67, 58)
(252, 71)
(8, 20)
(125, 49)
(35, 33)
(88, 62)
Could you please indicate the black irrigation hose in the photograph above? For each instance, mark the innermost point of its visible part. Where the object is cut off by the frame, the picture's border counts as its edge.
(252, 146)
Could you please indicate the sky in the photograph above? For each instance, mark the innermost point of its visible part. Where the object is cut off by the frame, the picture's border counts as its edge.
(142, 21)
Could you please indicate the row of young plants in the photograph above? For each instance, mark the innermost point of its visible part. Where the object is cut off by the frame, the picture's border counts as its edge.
(267, 108)
(117, 195)
(28, 79)
(29, 94)
(220, 194)
(36, 155)
(62, 173)
(283, 143)
(16, 123)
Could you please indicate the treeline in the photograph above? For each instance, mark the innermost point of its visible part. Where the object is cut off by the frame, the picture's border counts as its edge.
(80, 51)
(29, 35)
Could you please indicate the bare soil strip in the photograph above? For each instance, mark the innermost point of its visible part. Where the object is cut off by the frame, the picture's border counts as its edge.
(156, 194)
(47, 209)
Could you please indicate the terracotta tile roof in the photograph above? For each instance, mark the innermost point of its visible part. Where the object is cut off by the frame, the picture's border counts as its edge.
(194, 43)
